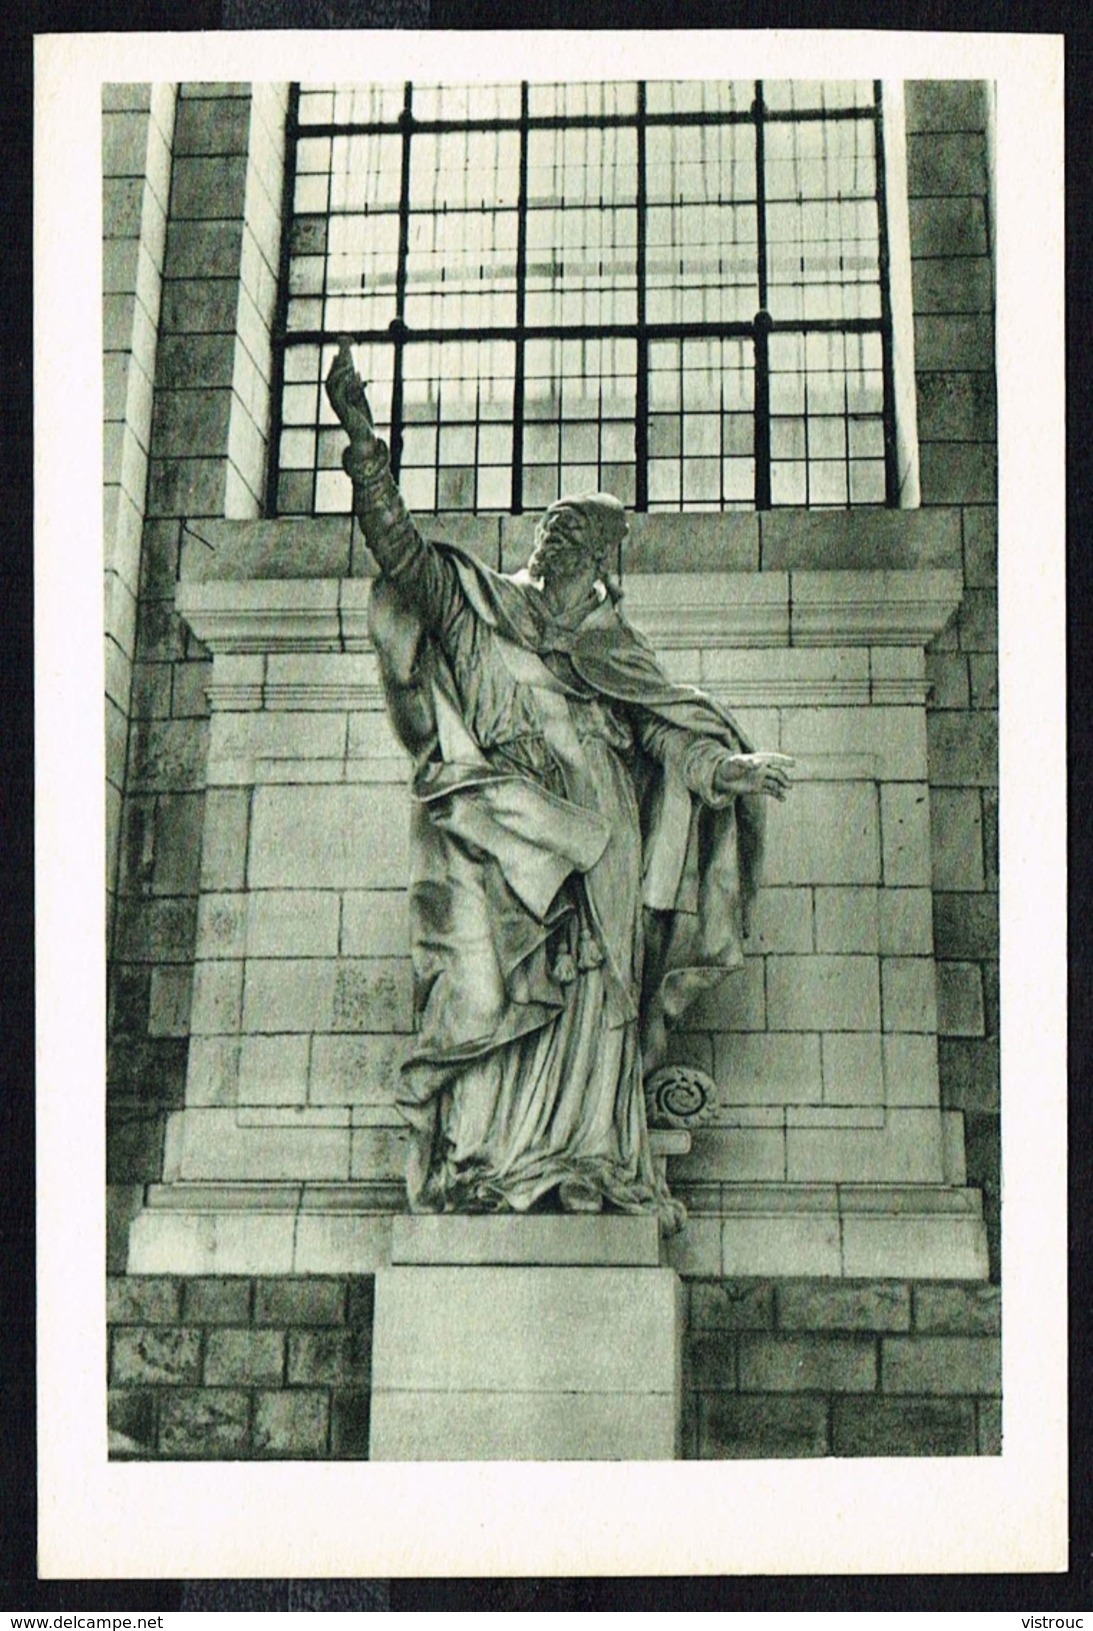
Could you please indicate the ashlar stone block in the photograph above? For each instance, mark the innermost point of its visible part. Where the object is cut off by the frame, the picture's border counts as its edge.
(909, 986)
(273, 1070)
(906, 1150)
(846, 919)
(905, 922)
(292, 923)
(336, 837)
(357, 1070)
(853, 1071)
(828, 833)
(905, 828)
(823, 993)
(910, 1071)
(768, 1068)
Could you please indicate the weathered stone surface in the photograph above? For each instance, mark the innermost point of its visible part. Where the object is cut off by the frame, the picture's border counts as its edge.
(905, 926)
(853, 1072)
(968, 1069)
(846, 815)
(357, 838)
(142, 1300)
(977, 620)
(471, 1426)
(299, 1302)
(958, 852)
(958, 472)
(822, 993)
(945, 104)
(156, 1354)
(224, 844)
(373, 994)
(767, 1068)
(350, 1410)
(846, 919)
(131, 1422)
(966, 925)
(293, 1425)
(169, 1008)
(880, 1427)
(910, 1070)
(959, 1000)
(948, 226)
(957, 407)
(330, 1356)
(778, 1245)
(455, 1329)
(731, 1305)
(963, 749)
(944, 343)
(273, 1070)
(989, 1427)
(244, 1357)
(216, 1301)
(941, 1365)
(947, 673)
(288, 995)
(958, 1310)
(807, 1364)
(782, 921)
(980, 547)
(946, 166)
(796, 540)
(210, 1423)
(853, 1306)
(908, 987)
(759, 1427)
(134, 1152)
(602, 1240)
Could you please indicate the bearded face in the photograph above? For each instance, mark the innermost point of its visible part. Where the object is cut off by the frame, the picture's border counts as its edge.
(562, 548)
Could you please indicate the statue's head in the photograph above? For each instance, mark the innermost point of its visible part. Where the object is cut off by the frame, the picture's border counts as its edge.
(576, 535)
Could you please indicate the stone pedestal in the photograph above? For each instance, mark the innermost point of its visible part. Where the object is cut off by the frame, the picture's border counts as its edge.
(526, 1339)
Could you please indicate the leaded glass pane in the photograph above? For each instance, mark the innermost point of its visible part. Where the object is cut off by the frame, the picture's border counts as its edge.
(554, 273)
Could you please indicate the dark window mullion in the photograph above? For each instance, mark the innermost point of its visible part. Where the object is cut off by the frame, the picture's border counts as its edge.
(518, 387)
(398, 327)
(761, 378)
(891, 461)
(641, 395)
(280, 316)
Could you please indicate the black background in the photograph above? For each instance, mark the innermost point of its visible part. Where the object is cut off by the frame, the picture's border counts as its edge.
(19, 1587)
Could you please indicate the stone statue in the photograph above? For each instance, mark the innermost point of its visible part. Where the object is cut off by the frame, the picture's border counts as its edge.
(586, 843)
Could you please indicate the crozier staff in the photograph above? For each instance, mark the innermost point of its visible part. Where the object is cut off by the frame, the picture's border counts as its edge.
(586, 839)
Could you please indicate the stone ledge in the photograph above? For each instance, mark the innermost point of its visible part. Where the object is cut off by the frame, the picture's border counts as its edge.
(874, 1231)
(602, 1240)
(677, 611)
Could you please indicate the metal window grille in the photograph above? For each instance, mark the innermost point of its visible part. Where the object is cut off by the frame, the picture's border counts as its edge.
(673, 291)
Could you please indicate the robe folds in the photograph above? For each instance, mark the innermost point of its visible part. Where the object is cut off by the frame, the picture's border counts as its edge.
(577, 879)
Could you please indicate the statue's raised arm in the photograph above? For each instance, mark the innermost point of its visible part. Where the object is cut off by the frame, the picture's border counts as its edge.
(410, 564)
(347, 396)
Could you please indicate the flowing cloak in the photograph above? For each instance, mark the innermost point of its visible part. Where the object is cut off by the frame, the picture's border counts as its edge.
(491, 850)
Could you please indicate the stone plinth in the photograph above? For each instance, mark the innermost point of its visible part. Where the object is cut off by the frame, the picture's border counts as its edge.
(534, 1352)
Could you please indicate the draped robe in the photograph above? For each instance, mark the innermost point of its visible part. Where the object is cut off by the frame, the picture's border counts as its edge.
(577, 877)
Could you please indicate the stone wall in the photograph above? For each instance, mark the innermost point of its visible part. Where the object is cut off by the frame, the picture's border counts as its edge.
(238, 1368)
(953, 283)
(204, 431)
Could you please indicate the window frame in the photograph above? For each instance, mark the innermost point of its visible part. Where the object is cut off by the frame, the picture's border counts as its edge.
(757, 331)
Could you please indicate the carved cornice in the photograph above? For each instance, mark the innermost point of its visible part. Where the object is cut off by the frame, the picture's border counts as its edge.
(701, 611)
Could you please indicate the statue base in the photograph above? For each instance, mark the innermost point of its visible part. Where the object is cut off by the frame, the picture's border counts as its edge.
(526, 1339)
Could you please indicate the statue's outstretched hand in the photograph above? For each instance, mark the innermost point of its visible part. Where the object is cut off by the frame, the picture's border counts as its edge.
(346, 394)
(755, 773)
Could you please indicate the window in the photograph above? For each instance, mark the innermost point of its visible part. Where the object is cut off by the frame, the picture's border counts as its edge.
(676, 292)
